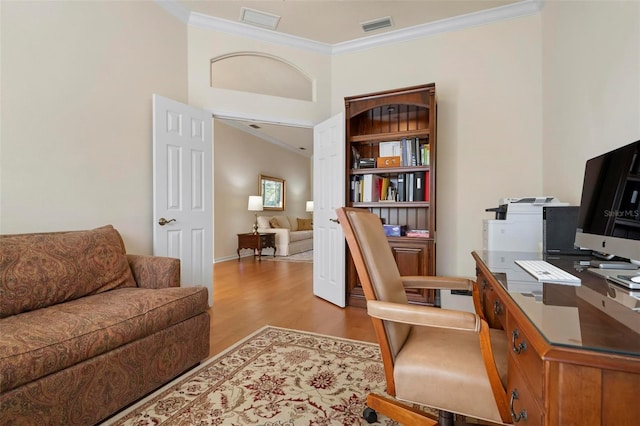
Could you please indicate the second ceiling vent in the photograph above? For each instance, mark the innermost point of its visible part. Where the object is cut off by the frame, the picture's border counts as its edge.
(377, 24)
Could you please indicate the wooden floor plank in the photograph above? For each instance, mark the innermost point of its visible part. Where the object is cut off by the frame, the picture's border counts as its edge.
(249, 294)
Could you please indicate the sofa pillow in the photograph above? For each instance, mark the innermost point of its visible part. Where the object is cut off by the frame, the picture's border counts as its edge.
(293, 223)
(280, 222)
(305, 224)
(263, 222)
(39, 270)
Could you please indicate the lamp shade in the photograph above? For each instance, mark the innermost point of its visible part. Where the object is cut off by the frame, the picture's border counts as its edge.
(309, 206)
(255, 203)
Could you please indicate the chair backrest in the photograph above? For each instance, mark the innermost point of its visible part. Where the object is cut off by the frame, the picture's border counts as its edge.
(376, 267)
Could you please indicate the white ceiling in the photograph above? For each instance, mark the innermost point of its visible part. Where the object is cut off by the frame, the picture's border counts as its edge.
(334, 24)
(339, 21)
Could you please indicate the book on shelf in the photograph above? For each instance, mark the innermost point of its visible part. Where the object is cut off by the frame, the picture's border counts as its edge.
(402, 189)
(420, 184)
(424, 154)
(371, 188)
(420, 233)
(355, 189)
(413, 153)
(411, 186)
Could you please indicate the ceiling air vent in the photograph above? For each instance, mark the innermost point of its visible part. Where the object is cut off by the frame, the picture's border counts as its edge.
(376, 24)
(261, 19)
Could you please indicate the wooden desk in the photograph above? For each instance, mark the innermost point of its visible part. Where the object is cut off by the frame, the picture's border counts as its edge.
(256, 242)
(575, 351)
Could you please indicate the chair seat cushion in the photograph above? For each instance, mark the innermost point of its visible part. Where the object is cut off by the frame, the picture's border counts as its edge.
(441, 368)
(37, 343)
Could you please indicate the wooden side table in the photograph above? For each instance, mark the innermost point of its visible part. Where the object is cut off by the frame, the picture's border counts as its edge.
(256, 242)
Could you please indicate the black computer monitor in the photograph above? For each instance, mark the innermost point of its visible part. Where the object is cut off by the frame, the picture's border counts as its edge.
(609, 215)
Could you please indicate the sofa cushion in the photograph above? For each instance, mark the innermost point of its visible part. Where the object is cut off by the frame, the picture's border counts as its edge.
(39, 270)
(37, 343)
(305, 224)
(293, 223)
(300, 235)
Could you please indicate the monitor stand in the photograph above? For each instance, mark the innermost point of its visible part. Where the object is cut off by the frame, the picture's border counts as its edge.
(602, 255)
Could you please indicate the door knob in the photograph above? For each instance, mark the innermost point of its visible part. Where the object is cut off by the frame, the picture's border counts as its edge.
(335, 220)
(162, 221)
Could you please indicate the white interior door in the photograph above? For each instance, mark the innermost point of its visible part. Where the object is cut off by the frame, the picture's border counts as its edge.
(328, 195)
(183, 189)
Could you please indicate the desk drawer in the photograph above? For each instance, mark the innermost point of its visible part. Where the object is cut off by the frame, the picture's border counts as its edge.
(522, 401)
(525, 356)
(493, 307)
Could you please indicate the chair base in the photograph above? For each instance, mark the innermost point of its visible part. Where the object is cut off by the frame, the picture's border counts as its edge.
(408, 415)
(399, 412)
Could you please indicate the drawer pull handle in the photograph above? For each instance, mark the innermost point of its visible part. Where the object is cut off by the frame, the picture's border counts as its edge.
(497, 308)
(521, 347)
(484, 283)
(522, 415)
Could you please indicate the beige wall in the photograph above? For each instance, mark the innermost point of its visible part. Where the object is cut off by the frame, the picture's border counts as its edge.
(75, 142)
(205, 45)
(239, 158)
(488, 82)
(522, 104)
(591, 86)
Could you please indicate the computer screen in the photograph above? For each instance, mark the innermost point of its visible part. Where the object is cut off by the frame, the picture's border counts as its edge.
(609, 216)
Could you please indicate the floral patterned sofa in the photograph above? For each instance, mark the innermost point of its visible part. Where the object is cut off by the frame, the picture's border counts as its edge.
(293, 235)
(86, 329)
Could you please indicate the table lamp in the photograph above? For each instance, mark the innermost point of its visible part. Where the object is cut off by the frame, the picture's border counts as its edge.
(255, 205)
(310, 206)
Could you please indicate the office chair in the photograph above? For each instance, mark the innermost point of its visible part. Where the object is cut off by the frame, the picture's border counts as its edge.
(445, 359)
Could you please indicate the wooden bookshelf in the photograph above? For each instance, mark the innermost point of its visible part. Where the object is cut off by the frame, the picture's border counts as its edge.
(394, 116)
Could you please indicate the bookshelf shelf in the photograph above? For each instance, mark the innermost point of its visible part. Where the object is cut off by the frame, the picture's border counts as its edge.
(382, 137)
(406, 118)
(389, 170)
(392, 204)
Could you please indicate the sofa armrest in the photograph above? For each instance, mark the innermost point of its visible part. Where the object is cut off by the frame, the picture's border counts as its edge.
(155, 271)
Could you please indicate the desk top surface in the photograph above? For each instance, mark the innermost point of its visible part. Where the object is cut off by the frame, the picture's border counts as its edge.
(597, 315)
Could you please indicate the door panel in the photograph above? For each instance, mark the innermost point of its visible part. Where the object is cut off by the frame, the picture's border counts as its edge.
(182, 189)
(328, 195)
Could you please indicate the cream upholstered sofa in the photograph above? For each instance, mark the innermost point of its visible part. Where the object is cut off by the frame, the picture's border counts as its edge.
(293, 235)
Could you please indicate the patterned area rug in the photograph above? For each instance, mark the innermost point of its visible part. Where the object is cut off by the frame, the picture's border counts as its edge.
(274, 377)
(305, 257)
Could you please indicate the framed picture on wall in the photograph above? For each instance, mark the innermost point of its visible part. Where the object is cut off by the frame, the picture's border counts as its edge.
(272, 191)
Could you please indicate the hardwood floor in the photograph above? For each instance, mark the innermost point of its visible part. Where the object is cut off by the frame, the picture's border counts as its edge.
(249, 294)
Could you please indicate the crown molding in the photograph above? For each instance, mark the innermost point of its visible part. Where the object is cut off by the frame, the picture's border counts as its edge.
(176, 9)
(501, 13)
(238, 28)
(515, 10)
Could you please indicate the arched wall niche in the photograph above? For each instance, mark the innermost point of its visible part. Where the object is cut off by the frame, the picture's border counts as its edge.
(261, 73)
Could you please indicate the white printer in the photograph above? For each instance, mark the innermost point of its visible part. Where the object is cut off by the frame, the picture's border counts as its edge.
(517, 225)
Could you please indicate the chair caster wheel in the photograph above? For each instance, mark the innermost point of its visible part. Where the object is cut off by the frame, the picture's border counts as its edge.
(370, 415)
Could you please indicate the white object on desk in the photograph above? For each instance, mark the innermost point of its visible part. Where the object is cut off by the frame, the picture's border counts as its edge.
(545, 272)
